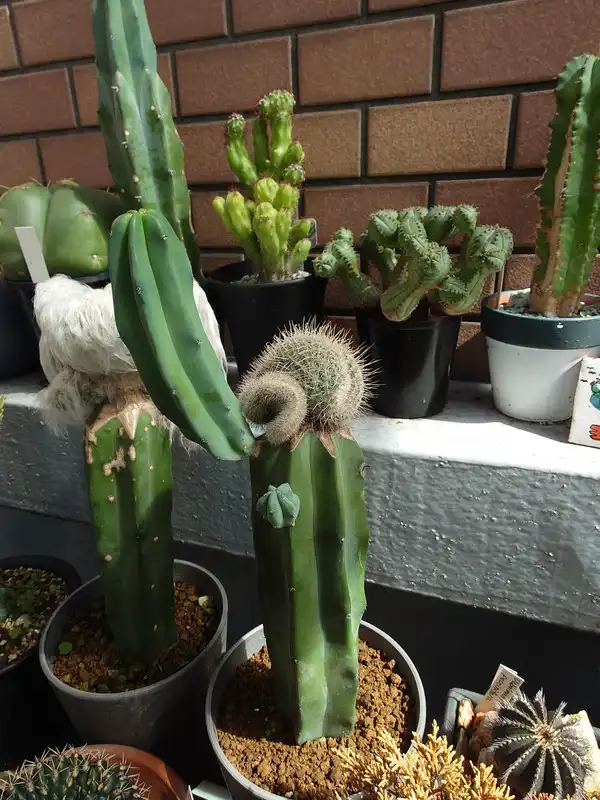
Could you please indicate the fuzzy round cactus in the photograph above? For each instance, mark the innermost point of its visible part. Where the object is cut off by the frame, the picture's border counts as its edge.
(309, 377)
(73, 775)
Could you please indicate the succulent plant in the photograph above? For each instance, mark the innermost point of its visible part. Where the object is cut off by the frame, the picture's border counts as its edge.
(72, 224)
(2, 403)
(535, 750)
(73, 775)
(263, 214)
(569, 232)
(145, 153)
(406, 247)
(308, 513)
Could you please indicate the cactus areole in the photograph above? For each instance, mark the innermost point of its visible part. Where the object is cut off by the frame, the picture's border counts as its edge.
(310, 525)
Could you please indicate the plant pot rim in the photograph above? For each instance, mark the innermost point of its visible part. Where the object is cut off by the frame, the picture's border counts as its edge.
(211, 722)
(545, 333)
(89, 280)
(57, 566)
(219, 277)
(151, 688)
(407, 324)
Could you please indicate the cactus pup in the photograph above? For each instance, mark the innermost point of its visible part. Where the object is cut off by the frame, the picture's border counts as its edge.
(310, 525)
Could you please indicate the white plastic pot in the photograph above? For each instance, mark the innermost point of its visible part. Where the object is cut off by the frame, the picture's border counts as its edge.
(535, 361)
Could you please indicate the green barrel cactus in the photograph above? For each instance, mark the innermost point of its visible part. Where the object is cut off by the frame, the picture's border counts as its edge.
(145, 153)
(128, 471)
(73, 775)
(415, 266)
(310, 526)
(72, 224)
(569, 232)
(158, 320)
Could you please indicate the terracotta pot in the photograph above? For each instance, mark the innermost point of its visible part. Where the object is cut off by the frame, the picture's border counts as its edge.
(162, 782)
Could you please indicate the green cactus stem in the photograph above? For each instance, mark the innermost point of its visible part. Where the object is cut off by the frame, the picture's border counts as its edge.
(72, 224)
(128, 470)
(279, 506)
(237, 151)
(569, 232)
(158, 320)
(340, 258)
(145, 153)
(277, 108)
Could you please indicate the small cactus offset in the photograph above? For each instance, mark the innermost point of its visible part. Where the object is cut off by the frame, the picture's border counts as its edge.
(569, 232)
(263, 214)
(73, 775)
(145, 153)
(414, 265)
(309, 514)
(535, 750)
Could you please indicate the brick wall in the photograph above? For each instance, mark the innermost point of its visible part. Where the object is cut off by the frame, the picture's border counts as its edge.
(401, 102)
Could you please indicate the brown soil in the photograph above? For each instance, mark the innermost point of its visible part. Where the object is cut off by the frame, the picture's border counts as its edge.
(254, 738)
(93, 664)
(28, 598)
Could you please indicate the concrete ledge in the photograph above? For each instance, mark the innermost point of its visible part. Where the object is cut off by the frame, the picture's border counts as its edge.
(468, 506)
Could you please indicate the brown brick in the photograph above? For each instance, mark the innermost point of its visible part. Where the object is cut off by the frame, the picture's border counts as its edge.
(350, 206)
(388, 5)
(519, 271)
(86, 88)
(470, 361)
(51, 30)
(8, 54)
(184, 20)
(18, 162)
(516, 42)
(332, 143)
(536, 109)
(594, 286)
(232, 77)
(210, 231)
(209, 262)
(336, 296)
(204, 148)
(443, 136)
(504, 201)
(261, 15)
(388, 59)
(347, 324)
(38, 101)
(79, 156)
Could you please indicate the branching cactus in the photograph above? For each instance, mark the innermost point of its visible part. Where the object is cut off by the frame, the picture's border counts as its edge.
(414, 266)
(569, 232)
(145, 153)
(310, 525)
(263, 214)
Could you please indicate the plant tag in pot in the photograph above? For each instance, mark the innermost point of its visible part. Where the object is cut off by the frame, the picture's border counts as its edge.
(32, 252)
(585, 424)
(504, 687)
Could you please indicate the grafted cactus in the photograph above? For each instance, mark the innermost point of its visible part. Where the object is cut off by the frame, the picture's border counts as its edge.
(569, 232)
(414, 266)
(145, 153)
(263, 214)
(309, 514)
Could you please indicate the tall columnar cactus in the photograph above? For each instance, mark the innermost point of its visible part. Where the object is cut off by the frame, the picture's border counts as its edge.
(72, 224)
(128, 470)
(263, 215)
(310, 526)
(158, 320)
(73, 775)
(145, 153)
(414, 265)
(569, 232)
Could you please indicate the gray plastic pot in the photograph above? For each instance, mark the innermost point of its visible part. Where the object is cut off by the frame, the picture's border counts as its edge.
(162, 718)
(240, 788)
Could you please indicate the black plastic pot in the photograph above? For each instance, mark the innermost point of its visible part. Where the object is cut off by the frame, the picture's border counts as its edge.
(31, 719)
(165, 718)
(255, 312)
(18, 342)
(412, 359)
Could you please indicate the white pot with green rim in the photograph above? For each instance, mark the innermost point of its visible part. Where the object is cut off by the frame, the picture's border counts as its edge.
(535, 361)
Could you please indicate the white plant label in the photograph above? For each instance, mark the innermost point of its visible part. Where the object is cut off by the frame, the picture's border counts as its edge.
(585, 425)
(503, 688)
(32, 252)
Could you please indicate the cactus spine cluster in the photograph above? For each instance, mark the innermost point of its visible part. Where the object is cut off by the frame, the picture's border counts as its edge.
(145, 153)
(128, 470)
(263, 215)
(72, 224)
(406, 247)
(73, 775)
(310, 526)
(536, 751)
(569, 232)
(158, 320)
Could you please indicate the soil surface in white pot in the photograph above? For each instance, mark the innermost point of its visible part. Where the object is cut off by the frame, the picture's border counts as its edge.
(88, 660)
(519, 304)
(257, 742)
